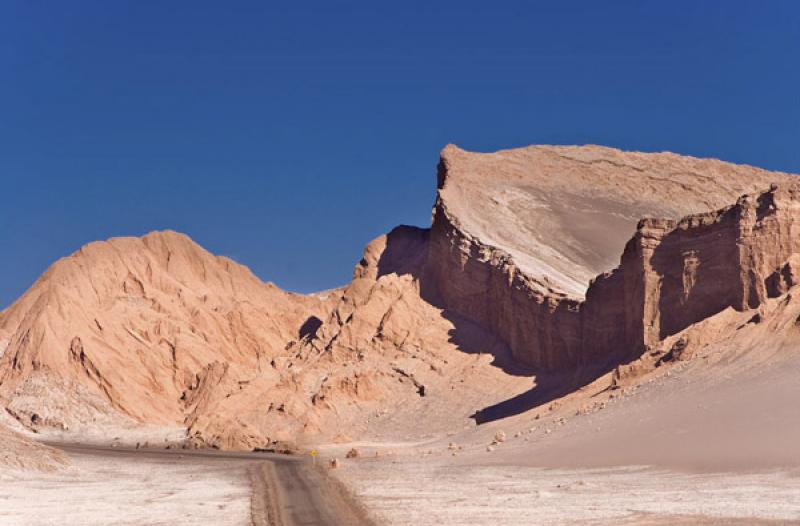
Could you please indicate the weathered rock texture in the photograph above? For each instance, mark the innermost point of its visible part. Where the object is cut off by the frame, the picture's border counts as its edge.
(676, 273)
(691, 269)
(519, 235)
(142, 325)
(516, 268)
(157, 330)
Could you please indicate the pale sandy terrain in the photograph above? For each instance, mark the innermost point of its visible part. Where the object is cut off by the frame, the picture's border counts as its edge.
(713, 440)
(18, 449)
(117, 485)
(124, 491)
(410, 492)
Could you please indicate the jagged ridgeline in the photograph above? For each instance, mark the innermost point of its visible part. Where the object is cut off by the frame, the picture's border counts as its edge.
(538, 262)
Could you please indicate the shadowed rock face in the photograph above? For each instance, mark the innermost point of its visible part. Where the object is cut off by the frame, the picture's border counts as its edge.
(157, 330)
(514, 268)
(519, 235)
(696, 267)
(677, 273)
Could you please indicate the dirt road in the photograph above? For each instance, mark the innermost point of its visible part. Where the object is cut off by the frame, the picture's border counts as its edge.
(286, 490)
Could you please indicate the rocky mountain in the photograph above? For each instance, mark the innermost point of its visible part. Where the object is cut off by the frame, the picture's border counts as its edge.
(519, 236)
(135, 326)
(544, 269)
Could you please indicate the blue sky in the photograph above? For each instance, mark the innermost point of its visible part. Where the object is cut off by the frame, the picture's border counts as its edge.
(287, 135)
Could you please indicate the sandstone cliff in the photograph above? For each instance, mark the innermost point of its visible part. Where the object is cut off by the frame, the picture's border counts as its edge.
(538, 275)
(518, 236)
(158, 331)
(685, 271)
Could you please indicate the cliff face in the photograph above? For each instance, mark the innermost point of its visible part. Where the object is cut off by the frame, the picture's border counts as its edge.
(518, 236)
(157, 330)
(694, 268)
(435, 323)
(677, 273)
(482, 283)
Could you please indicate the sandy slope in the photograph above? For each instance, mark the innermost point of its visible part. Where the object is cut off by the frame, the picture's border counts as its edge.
(713, 439)
(730, 407)
(18, 451)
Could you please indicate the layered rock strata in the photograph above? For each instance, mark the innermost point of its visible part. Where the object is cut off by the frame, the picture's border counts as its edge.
(515, 265)
(691, 269)
(519, 235)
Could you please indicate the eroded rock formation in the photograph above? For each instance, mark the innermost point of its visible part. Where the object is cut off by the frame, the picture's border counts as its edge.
(675, 273)
(519, 235)
(691, 269)
(519, 276)
(140, 321)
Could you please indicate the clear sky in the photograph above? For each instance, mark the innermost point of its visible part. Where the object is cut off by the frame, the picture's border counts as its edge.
(288, 134)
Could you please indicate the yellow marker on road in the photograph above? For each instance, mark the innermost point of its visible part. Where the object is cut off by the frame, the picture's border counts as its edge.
(313, 454)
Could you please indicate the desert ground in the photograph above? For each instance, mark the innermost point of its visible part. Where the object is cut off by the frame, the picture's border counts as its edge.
(103, 485)
(682, 449)
(106, 489)
(689, 447)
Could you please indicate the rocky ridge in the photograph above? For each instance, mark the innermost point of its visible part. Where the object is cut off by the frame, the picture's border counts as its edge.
(522, 240)
(513, 283)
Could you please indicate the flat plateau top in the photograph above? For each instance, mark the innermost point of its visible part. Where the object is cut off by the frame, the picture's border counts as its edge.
(564, 213)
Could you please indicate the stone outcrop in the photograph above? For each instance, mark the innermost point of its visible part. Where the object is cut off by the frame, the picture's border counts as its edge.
(537, 256)
(157, 330)
(691, 269)
(519, 235)
(675, 273)
(146, 324)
